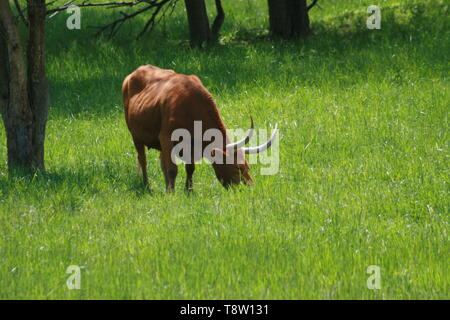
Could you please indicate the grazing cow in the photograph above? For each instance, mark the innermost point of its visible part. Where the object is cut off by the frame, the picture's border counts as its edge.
(159, 101)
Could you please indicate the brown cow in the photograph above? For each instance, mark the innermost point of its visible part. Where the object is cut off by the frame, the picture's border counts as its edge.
(159, 101)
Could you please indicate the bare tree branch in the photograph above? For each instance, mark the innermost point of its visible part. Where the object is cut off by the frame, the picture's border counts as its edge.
(312, 5)
(85, 4)
(152, 21)
(20, 12)
(66, 5)
(115, 25)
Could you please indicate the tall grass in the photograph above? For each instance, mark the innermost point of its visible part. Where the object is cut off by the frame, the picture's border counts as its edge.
(364, 164)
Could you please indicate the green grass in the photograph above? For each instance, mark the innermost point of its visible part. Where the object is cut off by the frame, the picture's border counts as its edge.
(363, 180)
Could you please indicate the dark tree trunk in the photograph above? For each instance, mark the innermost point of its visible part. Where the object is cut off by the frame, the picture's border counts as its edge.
(17, 115)
(198, 22)
(24, 93)
(289, 18)
(218, 21)
(4, 86)
(37, 81)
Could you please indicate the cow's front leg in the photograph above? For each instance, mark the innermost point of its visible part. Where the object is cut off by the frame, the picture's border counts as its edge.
(190, 167)
(169, 168)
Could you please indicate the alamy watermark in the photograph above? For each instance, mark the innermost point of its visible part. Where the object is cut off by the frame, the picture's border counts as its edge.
(374, 281)
(74, 280)
(74, 20)
(374, 20)
(208, 144)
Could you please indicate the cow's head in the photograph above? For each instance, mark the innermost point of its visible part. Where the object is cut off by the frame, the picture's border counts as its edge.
(232, 168)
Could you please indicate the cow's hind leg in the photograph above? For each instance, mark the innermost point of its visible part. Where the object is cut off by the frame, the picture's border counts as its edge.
(163, 169)
(190, 168)
(169, 168)
(142, 159)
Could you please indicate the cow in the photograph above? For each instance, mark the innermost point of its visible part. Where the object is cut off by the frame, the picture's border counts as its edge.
(158, 101)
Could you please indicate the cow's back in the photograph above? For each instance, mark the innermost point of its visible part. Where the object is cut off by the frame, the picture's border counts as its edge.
(157, 99)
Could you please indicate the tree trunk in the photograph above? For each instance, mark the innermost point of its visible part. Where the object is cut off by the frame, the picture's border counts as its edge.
(289, 18)
(17, 115)
(22, 103)
(218, 21)
(37, 81)
(4, 86)
(198, 22)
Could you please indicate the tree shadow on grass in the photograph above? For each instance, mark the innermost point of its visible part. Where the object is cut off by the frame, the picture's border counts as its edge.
(80, 182)
(341, 44)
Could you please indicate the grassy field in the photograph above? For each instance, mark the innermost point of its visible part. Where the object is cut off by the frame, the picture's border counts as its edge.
(363, 179)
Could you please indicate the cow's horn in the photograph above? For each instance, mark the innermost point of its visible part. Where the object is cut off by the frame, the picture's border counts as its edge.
(264, 146)
(244, 141)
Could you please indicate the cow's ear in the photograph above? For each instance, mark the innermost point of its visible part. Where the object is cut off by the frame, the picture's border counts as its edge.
(217, 152)
(218, 156)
